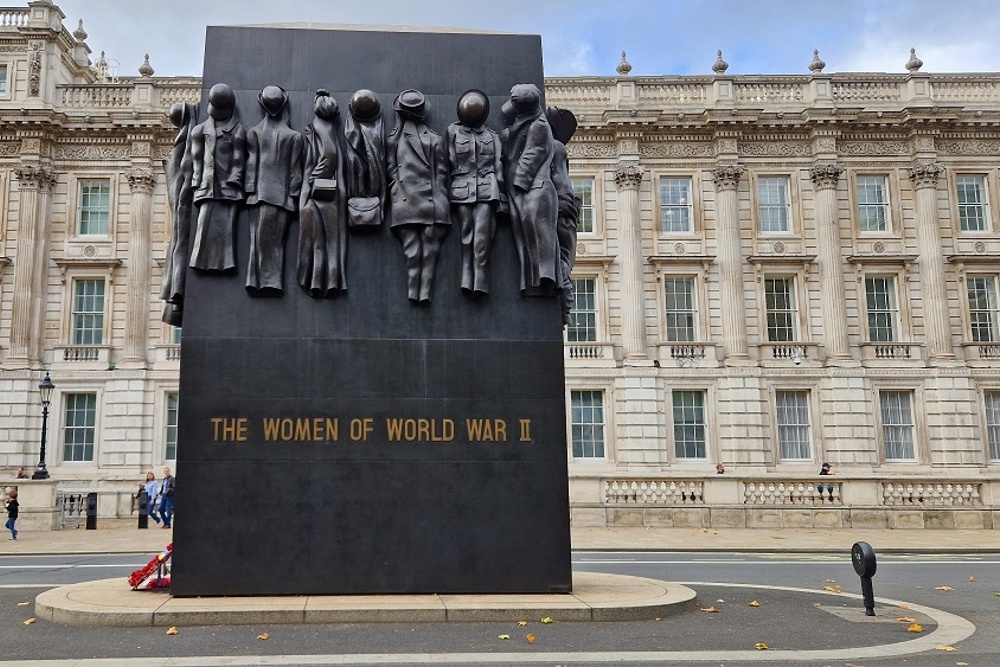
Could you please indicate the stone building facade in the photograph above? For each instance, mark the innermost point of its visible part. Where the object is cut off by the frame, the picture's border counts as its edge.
(772, 272)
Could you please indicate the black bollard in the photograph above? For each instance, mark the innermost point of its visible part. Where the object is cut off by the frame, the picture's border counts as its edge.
(865, 565)
(92, 511)
(143, 509)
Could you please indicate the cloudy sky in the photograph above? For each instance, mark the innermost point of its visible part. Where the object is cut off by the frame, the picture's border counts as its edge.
(584, 37)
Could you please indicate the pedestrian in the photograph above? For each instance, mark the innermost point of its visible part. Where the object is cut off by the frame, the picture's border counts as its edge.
(11, 507)
(152, 489)
(825, 469)
(21, 474)
(167, 498)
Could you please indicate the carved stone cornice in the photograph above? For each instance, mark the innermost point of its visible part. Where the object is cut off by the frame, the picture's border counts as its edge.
(825, 176)
(628, 176)
(34, 177)
(141, 180)
(926, 175)
(727, 177)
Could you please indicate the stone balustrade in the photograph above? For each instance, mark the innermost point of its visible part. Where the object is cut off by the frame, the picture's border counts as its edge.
(123, 95)
(14, 18)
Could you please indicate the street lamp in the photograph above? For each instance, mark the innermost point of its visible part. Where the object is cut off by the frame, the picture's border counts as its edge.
(45, 388)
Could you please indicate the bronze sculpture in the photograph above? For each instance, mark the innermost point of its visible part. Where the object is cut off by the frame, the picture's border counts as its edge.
(528, 152)
(563, 124)
(322, 249)
(273, 184)
(418, 187)
(365, 134)
(218, 155)
(180, 195)
(476, 189)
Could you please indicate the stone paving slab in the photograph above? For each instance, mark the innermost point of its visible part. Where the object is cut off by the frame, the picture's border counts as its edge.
(596, 597)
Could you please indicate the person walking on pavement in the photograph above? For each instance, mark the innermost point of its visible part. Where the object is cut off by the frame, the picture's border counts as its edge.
(167, 498)
(152, 489)
(11, 506)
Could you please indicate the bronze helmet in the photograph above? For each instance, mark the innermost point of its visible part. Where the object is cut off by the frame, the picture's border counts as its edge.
(473, 107)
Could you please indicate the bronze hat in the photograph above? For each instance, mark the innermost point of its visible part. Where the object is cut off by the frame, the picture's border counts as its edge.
(412, 102)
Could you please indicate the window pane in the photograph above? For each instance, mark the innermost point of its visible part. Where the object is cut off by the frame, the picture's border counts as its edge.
(587, 423)
(873, 206)
(3, 79)
(971, 202)
(584, 189)
(983, 315)
(772, 204)
(675, 204)
(689, 424)
(94, 207)
(993, 423)
(583, 317)
(782, 311)
(80, 424)
(680, 308)
(897, 425)
(793, 424)
(171, 440)
(88, 312)
(883, 313)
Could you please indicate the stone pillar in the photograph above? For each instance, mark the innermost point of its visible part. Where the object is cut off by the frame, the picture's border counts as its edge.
(30, 262)
(138, 289)
(930, 262)
(831, 274)
(628, 176)
(730, 261)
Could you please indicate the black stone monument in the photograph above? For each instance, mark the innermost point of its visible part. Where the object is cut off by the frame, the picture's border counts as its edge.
(366, 443)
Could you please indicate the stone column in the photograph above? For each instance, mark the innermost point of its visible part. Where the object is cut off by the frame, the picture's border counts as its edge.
(831, 274)
(30, 262)
(628, 176)
(730, 261)
(930, 262)
(138, 289)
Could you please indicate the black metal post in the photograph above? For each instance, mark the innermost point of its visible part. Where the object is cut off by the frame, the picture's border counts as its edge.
(91, 511)
(143, 509)
(865, 564)
(42, 472)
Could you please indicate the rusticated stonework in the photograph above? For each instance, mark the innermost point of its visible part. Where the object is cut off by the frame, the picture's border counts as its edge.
(728, 177)
(825, 175)
(926, 175)
(628, 176)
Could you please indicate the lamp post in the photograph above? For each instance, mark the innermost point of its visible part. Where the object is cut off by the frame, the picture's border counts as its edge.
(45, 388)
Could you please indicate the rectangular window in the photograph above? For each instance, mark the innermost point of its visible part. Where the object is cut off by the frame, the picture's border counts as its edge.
(94, 205)
(993, 423)
(883, 311)
(171, 439)
(3, 79)
(983, 311)
(972, 213)
(584, 189)
(583, 317)
(873, 204)
(793, 424)
(782, 310)
(675, 205)
(897, 425)
(681, 310)
(88, 312)
(587, 421)
(689, 424)
(81, 421)
(773, 204)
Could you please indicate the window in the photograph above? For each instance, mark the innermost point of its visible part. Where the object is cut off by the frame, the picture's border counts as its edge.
(175, 335)
(171, 439)
(793, 424)
(972, 215)
(993, 423)
(897, 425)
(587, 409)
(772, 204)
(3, 79)
(81, 419)
(689, 424)
(94, 206)
(675, 205)
(883, 311)
(782, 311)
(873, 204)
(680, 307)
(584, 189)
(583, 317)
(983, 311)
(88, 312)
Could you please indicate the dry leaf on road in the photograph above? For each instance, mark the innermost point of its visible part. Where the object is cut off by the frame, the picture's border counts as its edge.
(906, 619)
(709, 610)
(530, 637)
(941, 647)
(760, 646)
(943, 588)
(915, 627)
(172, 631)
(753, 603)
(972, 577)
(503, 636)
(263, 635)
(547, 619)
(832, 589)
(23, 604)
(29, 621)
(521, 624)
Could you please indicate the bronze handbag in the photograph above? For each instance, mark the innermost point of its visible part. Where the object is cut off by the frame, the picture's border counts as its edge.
(324, 189)
(364, 212)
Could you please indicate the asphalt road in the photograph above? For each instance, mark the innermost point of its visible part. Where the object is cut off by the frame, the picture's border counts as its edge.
(797, 614)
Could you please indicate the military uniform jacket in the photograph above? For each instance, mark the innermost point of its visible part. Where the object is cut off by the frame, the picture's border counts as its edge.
(476, 170)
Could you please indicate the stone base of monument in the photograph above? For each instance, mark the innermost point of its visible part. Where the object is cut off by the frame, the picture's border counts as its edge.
(595, 597)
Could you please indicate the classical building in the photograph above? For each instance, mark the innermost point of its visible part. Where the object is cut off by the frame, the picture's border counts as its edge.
(772, 272)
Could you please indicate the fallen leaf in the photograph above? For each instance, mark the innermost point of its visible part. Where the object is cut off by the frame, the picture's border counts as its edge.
(915, 627)
(721, 600)
(830, 581)
(547, 619)
(817, 604)
(172, 631)
(503, 636)
(906, 606)
(832, 589)
(29, 621)
(521, 624)
(710, 610)
(23, 604)
(657, 619)
(961, 664)
(972, 578)
(753, 603)
(943, 588)
(263, 635)
(760, 646)
(941, 647)
(906, 619)
(530, 637)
